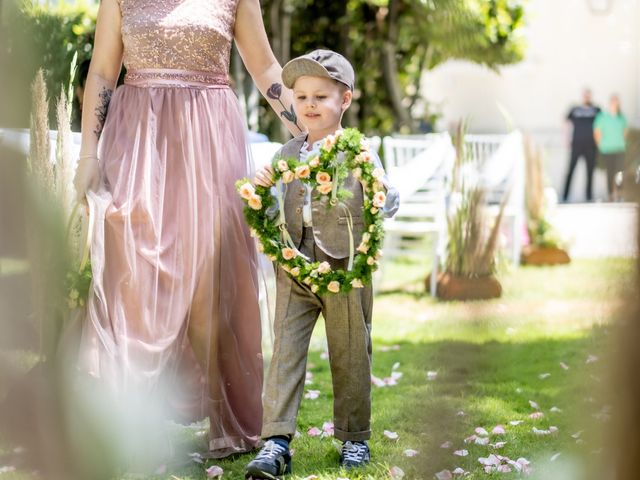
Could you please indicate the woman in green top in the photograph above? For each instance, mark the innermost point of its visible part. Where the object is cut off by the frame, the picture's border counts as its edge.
(610, 132)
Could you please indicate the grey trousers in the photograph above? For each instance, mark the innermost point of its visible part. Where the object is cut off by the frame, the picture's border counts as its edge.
(348, 328)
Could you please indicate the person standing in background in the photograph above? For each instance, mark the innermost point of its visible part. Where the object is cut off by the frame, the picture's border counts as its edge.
(610, 132)
(582, 142)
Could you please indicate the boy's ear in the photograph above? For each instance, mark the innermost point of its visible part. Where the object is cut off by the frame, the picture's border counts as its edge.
(347, 96)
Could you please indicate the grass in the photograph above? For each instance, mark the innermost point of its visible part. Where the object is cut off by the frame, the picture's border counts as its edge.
(489, 357)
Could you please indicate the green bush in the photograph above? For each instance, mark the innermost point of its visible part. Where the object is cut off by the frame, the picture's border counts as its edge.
(34, 37)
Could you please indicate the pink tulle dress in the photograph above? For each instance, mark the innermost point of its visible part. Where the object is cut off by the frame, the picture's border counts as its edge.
(173, 309)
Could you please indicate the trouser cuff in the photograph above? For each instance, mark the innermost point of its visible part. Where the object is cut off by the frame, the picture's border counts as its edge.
(352, 436)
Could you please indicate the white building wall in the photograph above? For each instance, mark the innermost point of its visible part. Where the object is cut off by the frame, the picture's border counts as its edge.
(569, 47)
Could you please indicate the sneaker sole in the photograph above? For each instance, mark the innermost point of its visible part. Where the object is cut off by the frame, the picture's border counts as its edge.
(257, 474)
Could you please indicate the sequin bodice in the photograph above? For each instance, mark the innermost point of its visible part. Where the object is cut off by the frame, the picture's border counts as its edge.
(178, 34)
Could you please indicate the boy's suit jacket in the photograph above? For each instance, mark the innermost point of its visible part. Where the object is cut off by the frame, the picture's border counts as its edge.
(330, 230)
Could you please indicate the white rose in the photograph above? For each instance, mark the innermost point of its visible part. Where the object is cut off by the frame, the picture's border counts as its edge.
(334, 287)
(283, 166)
(324, 267)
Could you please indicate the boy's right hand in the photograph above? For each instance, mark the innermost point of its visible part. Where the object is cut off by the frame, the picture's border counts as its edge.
(264, 177)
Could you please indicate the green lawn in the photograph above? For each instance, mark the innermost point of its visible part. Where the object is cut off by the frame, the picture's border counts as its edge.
(490, 360)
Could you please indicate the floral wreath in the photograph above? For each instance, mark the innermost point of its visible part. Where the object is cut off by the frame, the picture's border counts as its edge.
(342, 153)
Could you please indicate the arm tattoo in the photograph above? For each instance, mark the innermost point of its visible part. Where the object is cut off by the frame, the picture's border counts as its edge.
(102, 108)
(274, 93)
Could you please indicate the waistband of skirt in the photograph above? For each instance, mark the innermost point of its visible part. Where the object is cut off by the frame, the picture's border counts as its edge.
(165, 77)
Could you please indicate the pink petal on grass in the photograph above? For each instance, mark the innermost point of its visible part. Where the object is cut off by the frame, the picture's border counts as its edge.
(396, 473)
(309, 378)
(536, 415)
(7, 469)
(409, 452)
(314, 432)
(503, 468)
(460, 471)
(312, 394)
(515, 422)
(378, 382)
(577, 434)
(481, 441)
(555, 410)
(431, 375)
(327, 429)
(460, 414)
(396, 375)
(311, 477)
(395, 366)
(444, 475)
(461, 453)
(592, 359)
(544, 376)
(564, 366)
(498, 430)
(391, 435)
(481, 431)
(554, 457)
(324, 355)
(214, 471)
(471, 438)
(446, 444)
(534, 405)
(498, 444)
(390, 381)
(491, 460)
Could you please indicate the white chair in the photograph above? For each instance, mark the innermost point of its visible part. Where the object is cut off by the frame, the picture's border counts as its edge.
(498, 161)
(375, 142)
(419, 169)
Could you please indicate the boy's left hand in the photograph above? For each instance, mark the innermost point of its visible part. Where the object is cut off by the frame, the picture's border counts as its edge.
(264, 177)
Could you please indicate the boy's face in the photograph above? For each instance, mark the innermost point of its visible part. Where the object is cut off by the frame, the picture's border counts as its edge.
(320, 103)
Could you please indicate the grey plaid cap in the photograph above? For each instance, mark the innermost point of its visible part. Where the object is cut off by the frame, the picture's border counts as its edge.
(319, 63)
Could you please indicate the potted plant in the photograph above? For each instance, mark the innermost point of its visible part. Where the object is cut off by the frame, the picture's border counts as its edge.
(470, 265)
(546, 246)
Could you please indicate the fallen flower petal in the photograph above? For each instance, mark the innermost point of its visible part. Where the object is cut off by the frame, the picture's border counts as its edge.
(7, 469)
(396, 375)
(409, 452)
(498, 444)
(446, 444)
(395, 366)
(536, 415)
(396, 472)
(534, 405)
(481, 431)
(327, 429)
(544, 376)
(431, 375)
(471, 438)
(555, 410)
(324, 356)
(481, 441)
(577, 434)
(498, 430)
(460, 471)
(314, 432)
(311, 477)
(460, 413)
(390, 381)
(554, 457)
(564, 366)
(444, 475)
(214, 471)
(390, 435)
(592, 359)
(312, 394)
(515, 422)
(461, 453)
(378, 382)
(503, 468)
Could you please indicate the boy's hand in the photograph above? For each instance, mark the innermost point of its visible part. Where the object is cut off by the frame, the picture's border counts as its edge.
(264, 177)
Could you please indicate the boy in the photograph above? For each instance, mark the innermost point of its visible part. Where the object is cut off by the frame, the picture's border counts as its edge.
(323, 83)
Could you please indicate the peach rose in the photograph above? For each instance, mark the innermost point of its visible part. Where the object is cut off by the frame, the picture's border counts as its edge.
(246, 190)
(357, 283)
(363, 247)
(288, 176)
(273, 258)
(374, 210)
(378, 173)
(315, 288)
(372, 228)
(255, 202)
(324, 267)
(303, 171)
(329, 142)
(286, 268)
(371, 261)
(283, 166)
(378, 199)
(338, 133)
(253, 232)
(314, 162)
(323, 177)
(288, 253)
(334, 287)
(366, 237)
(357, 172)
(324, 188)
(363, 157)
(295, 271)
(377, 186)
(307, 281)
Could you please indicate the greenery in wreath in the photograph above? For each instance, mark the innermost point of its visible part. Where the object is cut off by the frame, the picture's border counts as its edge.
(342, 153)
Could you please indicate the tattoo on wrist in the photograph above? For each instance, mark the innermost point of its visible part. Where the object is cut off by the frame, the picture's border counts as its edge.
(274, 93)
(104, 98)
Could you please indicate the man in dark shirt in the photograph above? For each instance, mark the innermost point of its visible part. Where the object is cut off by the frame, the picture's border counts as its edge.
(582, 143)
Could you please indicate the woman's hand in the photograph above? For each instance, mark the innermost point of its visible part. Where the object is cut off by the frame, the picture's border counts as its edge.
(264, 177)
(87, 177)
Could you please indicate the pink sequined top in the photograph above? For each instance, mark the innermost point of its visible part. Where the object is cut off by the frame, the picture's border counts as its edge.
(193, 35)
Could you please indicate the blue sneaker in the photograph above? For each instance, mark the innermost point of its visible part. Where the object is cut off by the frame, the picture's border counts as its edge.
(272, 461)
(354, 454)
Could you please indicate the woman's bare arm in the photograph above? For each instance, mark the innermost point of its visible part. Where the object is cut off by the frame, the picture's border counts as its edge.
(253, 45)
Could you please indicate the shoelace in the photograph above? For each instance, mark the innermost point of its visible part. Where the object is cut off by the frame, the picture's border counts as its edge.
(353, 452)
(270, 450)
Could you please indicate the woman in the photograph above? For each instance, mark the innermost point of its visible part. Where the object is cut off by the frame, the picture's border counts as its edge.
(610, 132)
(174, 269)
